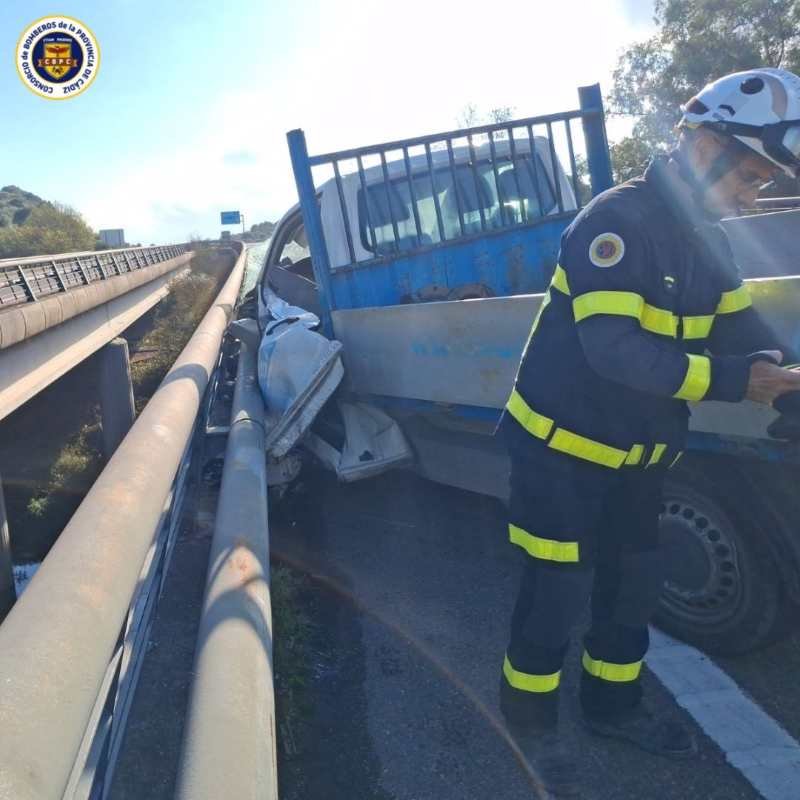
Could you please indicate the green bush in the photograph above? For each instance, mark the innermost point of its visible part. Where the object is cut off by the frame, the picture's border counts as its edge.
(50, 228)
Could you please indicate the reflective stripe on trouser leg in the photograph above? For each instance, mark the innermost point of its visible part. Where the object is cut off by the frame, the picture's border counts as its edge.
(551, 598)
(612, 668)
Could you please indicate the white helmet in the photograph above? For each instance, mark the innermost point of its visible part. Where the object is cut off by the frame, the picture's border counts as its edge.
(759, 107)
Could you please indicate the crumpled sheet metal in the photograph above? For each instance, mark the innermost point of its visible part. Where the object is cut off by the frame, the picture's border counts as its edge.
(298, 371)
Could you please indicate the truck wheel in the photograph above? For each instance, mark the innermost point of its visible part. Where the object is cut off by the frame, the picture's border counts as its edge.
(722, 589)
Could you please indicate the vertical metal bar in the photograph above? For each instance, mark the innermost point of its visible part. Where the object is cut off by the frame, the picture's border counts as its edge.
(59, 277)
(554, 167)
(456, 187)
(83, 272)
(116, 264)
(100, 267)
(573, 166)
(594, 131)
(493, 151)
(412, 195)
(476, 177)
(345, 215)
(127, 257)
(370, 228)
(307, 193)
(523, 211)
(387, 189)
(535, 166)
(435, 191)
(8, 590)
(27, 284)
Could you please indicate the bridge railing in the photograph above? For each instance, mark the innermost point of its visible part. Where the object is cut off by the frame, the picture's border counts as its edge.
(26, 280)
(71, 647)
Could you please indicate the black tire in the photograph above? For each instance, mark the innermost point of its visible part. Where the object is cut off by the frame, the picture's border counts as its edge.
(723, 588)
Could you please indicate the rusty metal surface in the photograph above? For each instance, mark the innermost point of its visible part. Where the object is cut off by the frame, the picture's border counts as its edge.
(229, 739)
(60, 637)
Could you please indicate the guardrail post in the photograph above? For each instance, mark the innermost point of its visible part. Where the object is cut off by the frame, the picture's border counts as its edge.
(594, 130)
(116, 395)
(8, 592)
(298, 151)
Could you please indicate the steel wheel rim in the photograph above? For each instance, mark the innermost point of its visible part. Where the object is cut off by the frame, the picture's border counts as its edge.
(711, 531)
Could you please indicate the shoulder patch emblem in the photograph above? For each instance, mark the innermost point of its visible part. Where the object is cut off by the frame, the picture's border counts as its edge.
(606, 250)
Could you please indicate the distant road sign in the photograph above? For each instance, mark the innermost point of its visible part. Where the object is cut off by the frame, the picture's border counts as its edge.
(230, 217)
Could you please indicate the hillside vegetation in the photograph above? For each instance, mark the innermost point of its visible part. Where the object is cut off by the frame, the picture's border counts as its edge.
(16, 205)
(30, 226)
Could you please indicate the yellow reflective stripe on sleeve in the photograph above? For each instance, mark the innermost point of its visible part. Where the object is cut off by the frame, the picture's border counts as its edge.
(559, 280)
(579, 446)
(697, 380)
(530, 683)
(617, 673)
(697, 327)
(659, 320)
(626, 304)
(537, 424)
(736, 300)
(635, 455)
(658, 451)
(544, 549)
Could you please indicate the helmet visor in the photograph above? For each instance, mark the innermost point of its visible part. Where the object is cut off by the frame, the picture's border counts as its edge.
(781, 142)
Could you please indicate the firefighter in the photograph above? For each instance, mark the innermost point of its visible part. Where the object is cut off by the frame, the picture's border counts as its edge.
(645, 288)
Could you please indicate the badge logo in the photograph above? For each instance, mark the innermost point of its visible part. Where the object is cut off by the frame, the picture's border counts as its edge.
(57, 57)
(606, 250)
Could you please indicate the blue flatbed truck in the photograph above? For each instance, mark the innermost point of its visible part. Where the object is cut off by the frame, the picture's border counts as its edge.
(428, 258)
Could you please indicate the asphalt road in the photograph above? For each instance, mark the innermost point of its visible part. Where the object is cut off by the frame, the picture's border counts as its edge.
(421, 578)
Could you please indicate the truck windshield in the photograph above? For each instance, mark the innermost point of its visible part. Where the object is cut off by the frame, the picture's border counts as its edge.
(505, 194)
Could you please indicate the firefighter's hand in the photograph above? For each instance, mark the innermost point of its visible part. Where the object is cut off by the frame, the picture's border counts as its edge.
(768, 381)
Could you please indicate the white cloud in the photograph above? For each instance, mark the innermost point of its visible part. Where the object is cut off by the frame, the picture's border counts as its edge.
(366, 73)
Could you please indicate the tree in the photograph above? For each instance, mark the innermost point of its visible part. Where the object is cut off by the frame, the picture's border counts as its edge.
(471, 116)
(697, 42)
(50, 228)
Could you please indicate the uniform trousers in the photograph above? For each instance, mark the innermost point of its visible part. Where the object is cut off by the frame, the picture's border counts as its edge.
(589, 534)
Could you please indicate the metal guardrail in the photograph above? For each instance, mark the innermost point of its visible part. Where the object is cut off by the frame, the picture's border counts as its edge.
(777, 203)
(69, 646)
(229, 733)
(26, 280)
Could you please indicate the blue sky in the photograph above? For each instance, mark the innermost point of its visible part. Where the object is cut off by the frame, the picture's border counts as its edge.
(190, 107)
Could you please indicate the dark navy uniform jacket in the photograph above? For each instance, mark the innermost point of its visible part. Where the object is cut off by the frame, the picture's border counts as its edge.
(646, 311)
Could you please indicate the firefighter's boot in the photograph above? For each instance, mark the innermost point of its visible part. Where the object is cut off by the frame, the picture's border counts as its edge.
(647, 731)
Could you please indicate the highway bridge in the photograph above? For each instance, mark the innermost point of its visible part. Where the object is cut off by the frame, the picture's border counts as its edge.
(55, 311)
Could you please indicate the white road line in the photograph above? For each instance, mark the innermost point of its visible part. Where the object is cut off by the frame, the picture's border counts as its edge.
(752, 741)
